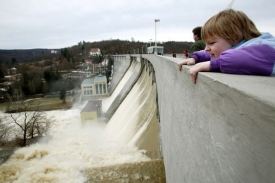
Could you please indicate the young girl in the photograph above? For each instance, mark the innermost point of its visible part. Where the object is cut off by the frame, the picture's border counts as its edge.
(234, 46)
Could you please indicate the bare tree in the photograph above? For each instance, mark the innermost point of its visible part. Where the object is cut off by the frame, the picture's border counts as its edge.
(31, 123)
(4, 130)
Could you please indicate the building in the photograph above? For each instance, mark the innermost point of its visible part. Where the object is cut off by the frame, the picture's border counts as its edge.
(158, 50)
(14, 77)
(96, 86)
(87, 87)
(95, 52)
(92, 111)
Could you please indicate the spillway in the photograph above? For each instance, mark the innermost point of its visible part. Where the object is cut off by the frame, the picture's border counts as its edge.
(135, 121)
(126, 149)
(108, 101)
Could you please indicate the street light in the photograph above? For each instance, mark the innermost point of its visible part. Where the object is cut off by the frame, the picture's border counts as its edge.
(156, 20)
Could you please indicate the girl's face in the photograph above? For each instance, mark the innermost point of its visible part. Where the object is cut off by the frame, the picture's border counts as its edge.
(216, 45)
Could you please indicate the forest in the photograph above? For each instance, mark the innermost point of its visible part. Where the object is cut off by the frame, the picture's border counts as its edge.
(114, 46)
(41, 71)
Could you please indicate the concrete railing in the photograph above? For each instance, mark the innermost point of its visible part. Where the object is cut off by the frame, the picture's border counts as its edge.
(221, 129)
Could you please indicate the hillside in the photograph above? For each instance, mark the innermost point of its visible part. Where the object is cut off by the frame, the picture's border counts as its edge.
(114, 46)
(22, 55)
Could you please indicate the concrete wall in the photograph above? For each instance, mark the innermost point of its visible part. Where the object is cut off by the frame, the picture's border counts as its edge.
(221, 129)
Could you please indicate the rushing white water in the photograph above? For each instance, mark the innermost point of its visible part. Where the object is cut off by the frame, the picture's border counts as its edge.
(135, 121)
(108, 101)
(71, 149)
(80, 153)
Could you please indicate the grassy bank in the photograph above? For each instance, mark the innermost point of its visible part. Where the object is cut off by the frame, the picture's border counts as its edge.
(45, 104)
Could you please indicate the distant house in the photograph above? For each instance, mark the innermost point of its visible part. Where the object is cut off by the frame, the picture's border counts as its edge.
(3, 89)
(11, 71)
(88, 61)
(14, 77)
(94, 86)
(92, 111)
(95, 52)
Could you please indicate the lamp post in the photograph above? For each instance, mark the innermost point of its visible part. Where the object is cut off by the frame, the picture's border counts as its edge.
(156, 20)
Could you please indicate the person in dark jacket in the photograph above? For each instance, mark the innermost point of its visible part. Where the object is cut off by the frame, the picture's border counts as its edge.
(199, 44)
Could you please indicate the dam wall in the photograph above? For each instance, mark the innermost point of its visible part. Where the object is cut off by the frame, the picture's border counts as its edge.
(122, 67)
(221, 129)
(122, 63)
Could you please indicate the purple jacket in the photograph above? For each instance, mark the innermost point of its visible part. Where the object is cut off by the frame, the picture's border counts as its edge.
(251, 58)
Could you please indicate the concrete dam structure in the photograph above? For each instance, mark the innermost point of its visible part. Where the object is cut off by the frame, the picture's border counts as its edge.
(221, 129)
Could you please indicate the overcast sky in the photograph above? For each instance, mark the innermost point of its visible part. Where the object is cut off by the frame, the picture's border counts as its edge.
(26, 24)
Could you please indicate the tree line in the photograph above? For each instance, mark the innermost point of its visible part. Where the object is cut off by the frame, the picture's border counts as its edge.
(41, 73)
(113, 46)
(41, 70)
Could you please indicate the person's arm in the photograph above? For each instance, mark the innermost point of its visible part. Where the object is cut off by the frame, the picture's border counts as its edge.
(197, 57)
(201, 56)
(203, 66)
(188, 61)
(250, 60)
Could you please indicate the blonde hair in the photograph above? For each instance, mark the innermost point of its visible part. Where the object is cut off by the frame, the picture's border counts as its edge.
(230, 25)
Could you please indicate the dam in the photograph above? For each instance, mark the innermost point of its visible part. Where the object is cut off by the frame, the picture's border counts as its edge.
(220, 129)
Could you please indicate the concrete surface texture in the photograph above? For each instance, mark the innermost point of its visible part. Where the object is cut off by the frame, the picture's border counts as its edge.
(146, 172)
(221, 129)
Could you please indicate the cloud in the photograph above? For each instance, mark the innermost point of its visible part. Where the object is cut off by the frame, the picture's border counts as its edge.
(57, 24)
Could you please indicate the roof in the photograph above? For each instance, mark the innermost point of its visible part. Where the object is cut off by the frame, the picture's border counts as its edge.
(88, 81)
(94, 50)
(92, 105)
(100, 78)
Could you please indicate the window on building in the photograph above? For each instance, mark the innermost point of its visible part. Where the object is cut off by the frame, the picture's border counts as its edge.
(100, 88)
(104, 89)
(96, 87)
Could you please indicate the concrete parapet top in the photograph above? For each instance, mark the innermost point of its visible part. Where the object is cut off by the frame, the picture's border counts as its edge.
(261, 88)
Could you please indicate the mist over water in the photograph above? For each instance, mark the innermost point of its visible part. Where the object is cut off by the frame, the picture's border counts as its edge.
(74, 152)
(70, 150)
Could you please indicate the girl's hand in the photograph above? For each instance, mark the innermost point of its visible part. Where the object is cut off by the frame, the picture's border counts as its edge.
(203, 66)
(189, 61)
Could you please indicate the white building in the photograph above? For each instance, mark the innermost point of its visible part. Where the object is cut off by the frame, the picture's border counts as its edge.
(95, 52)
(96, 86)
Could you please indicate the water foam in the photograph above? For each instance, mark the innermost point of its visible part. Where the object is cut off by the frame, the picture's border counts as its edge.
(69, 150)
